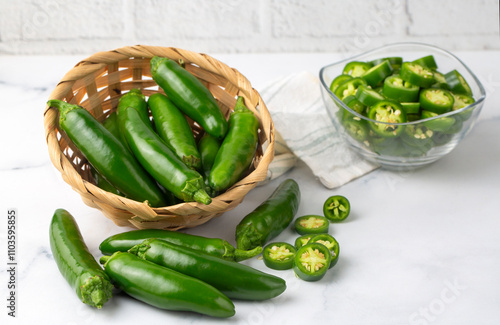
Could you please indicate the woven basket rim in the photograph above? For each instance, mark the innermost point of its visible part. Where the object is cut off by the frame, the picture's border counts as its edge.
(101, 60)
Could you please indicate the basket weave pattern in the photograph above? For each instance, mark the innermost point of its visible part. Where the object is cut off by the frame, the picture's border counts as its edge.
(97, 83)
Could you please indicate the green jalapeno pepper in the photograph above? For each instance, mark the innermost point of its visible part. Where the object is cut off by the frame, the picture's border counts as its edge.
(387, 112)
(213, 246)
(417, 75)
(164, 288)
(107, 154)
(237, 150)
(75, 262)
(440, 124)
(355, 127)
(411, 108)
(136, 100)
(189, 95)
(331, 243)
(368, 96)
(208, 146)
(353, 102)
(279, 255)
(436, 100)
(172, 126)
(311, 224)
(440, 81)
(336, 208)
(349, 87)
(394, 61)
(111, 124)
(302, 240)
(270, 218)
(312, 261)
(400, 90)
(461, 101)
(338, 81)
(356, 68)
(154, 155)
(427, 61)
(233, 279)
(378, 73)
(457, 83)
(418, 136)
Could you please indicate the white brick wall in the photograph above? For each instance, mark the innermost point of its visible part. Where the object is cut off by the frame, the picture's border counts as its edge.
(228, 26)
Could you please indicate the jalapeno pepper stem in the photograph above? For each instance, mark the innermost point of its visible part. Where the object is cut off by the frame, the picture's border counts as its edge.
(240, 105)
(62, 106)
(240, 254)
(104, 259)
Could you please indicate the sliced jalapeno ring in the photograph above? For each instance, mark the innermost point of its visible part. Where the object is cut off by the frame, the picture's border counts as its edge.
(336, 208)
(440, 81)
(388, 112)
(312, 261)
(398, 89)
(440, 124)
(353, 102)
(331, 243)
(427, 61)
(377, 73)
(355, 127)
(418, 135)
(457, 83)
(356, 68)
(417, 75)
(368, 96)
(462, 101)
(349, 87)
(436, 100)
(302, 240)
(411, 108)
(279, 255)
(338, 81)
(395, 61)
(311, 224)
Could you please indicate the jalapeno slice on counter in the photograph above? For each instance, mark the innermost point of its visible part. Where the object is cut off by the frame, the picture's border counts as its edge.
(336, 208)
(457, 83)
(416, 74)
(302, 240)
(398, 89)
(427, 61)
(349, 87)
(368, 96)
(388, 112)
(377, 73)
(331, 243)
(279, 255)
(436, 100)
(312, 261)
(338, 81)
(356, 68)
(311, 224)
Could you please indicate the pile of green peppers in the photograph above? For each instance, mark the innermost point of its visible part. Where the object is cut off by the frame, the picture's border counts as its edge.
(146, 150)
(166, 269)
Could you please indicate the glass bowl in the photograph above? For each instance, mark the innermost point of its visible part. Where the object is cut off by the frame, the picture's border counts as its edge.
(420, 142)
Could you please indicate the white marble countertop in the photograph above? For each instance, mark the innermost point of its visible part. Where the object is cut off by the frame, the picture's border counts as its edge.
(420, 247)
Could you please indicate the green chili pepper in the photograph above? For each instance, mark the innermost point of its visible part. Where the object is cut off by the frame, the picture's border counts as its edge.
(388, 112)
(208, 147)
(461, 101)
(312, 261)
(172, 126)
(355, 127)
(440, 124)
(76, 263)
(311, 224)
(235, 280)
(418, 136)
(349, 87)
(107, 154)
(356, 68)
(237, 149)
(394, 61)
(164, 288)
(279, 255)
(331, 243)
(440, 81)
(353, 102)
(189, 95)
(417, 75)
(377, 74)
(270, 218)
(368, 96)
(427, 61)
(336, 208)
(213, 246)
(457, 83)
(338, 81)
(400, 90)
(154, 155)
(111, 124)
(136, 100)
(302, 240)
(411, 108)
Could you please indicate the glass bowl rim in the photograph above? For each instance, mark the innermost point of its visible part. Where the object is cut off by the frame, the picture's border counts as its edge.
(423, 45)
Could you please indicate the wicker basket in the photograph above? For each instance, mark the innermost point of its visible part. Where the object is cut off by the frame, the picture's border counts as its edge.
(97, 83)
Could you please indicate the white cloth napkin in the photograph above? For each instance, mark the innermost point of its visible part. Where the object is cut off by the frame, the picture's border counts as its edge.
(307, 133)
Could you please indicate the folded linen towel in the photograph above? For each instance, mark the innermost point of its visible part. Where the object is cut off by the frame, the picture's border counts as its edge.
(306, 131)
